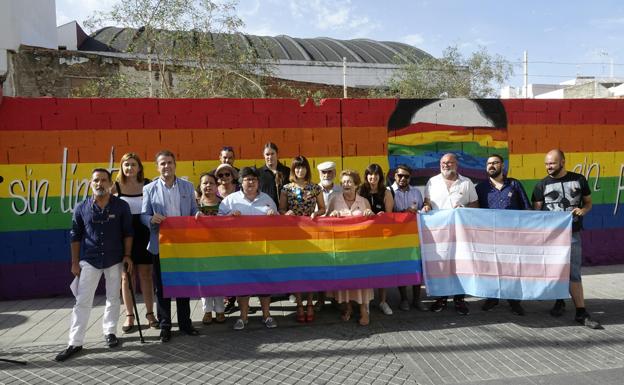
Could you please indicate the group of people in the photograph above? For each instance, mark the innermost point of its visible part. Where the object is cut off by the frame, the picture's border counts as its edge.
(115, 231)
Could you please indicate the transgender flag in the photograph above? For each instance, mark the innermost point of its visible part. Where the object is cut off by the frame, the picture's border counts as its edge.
(510, 254)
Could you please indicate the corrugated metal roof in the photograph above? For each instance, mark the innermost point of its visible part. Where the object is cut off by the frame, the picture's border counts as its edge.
(282, 47)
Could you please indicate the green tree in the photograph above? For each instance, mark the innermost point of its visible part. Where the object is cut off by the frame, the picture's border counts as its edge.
(452, 76)
(181, 48)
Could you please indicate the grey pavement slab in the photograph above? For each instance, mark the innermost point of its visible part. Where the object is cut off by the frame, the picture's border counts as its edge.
(407, 348)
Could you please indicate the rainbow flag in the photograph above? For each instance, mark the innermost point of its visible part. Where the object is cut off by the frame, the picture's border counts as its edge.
(227, 256)
(511, 254)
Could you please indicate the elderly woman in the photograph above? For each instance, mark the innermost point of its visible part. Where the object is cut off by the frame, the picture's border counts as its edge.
(250, 201)
(226, 178)
(380, 199)
(302, 197)
(129, 187)
(344, 205)
(208, 203)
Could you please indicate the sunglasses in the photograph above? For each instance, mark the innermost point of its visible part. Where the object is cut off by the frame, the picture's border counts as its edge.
(401, 176)
(224, 174)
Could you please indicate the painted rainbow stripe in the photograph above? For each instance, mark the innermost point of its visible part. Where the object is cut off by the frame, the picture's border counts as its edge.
(511, 254)
(215, 256)
(421, 146)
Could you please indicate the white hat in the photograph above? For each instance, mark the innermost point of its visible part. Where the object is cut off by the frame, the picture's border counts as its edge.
(229, 167)
(326, 166)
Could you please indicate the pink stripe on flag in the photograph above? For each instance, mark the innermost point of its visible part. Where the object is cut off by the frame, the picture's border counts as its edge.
(442, 269)
(514, 237)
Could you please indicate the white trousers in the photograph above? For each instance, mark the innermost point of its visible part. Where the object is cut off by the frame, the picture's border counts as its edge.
(88, 282)
(213, 304)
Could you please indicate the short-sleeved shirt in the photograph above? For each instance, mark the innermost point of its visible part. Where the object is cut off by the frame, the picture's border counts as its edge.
(462, 192)
(101, 231)
(563, 194)
(410, 198)
(510, 197)
(208, 209)
(237, 202)
(302, 201)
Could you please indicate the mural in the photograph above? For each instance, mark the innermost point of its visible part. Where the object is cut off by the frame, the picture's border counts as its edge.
(48, 147)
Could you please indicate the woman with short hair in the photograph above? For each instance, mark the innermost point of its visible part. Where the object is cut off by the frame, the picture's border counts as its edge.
(347, 204)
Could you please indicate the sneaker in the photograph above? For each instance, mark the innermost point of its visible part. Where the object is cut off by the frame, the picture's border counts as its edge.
(586, 320)
(489, 304)
(516, 308)
(461, 307)
(404, 305)
(240, 324)
(385, 308)
(270, 323)
(558, 309)
(439, 305)
(230, 307)
(419, 306)
(111, 340)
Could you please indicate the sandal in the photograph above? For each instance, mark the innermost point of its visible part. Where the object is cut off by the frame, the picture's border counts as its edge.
(220, 318)
(128, 328)
(301, 317)
(153, 322)
(310, 314)
(207, 320)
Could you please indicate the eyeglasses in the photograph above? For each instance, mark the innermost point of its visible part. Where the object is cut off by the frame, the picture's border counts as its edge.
(448, 163)
(401, 176)
(494, 162)
(224, 174)
(250, 180)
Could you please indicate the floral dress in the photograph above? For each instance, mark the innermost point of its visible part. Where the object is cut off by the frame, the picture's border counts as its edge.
(302, 201)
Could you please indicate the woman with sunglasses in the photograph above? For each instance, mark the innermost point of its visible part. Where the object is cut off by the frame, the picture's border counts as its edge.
(302, 197)
(380, 199)
(129, 187)
(226, 178)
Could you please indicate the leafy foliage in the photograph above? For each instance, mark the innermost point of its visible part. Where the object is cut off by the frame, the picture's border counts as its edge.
(452, 76)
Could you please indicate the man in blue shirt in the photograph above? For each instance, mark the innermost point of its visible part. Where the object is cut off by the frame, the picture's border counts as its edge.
(101, 241)
(500, 192)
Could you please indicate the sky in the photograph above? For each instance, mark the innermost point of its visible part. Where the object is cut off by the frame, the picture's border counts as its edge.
(563, 38)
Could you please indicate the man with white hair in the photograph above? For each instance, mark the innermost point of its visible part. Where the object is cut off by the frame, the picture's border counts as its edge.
(449, 190)
(327, 173)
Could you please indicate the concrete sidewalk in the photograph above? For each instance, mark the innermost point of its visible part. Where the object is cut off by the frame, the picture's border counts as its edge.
(406, 348)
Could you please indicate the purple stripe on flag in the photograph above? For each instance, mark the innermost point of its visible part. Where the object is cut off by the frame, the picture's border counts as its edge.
(292, 286)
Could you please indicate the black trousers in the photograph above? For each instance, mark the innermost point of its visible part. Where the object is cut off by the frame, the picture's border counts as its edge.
(163, 305)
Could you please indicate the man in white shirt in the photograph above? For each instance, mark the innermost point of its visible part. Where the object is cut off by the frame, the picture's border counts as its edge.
(449, 190)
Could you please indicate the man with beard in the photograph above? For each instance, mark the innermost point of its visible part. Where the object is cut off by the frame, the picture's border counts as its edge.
(102, 231)
(564, 190)
(449, 190)
(501, 192)
(327, 173)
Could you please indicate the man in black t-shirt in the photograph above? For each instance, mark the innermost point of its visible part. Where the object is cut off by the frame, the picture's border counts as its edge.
(563, 190)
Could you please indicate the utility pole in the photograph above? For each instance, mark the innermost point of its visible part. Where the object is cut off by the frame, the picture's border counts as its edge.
(526, 74)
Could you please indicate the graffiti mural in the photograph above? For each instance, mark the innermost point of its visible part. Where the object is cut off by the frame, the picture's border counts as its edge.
(49, 146)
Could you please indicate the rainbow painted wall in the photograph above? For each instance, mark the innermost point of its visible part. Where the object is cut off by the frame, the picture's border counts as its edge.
(48, 147)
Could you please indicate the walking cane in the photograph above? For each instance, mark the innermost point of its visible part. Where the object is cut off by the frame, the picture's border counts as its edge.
(136, 310)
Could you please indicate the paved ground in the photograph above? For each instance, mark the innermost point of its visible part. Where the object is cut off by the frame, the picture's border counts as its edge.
(406, 348)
